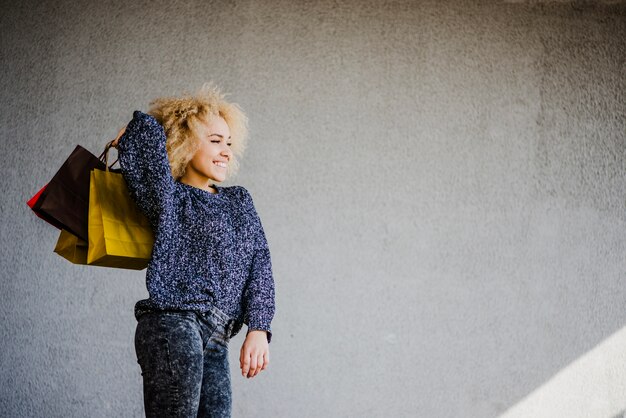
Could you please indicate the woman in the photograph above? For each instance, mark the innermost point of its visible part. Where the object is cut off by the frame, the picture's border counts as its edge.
(210, 270)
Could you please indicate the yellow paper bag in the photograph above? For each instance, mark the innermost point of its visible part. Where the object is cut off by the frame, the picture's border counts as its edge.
(119, 234)
(72, 248)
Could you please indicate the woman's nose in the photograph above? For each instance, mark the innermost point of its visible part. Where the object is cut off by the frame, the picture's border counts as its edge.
(226, 152)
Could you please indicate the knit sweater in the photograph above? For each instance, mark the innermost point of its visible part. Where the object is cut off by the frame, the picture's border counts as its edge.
(209, 249)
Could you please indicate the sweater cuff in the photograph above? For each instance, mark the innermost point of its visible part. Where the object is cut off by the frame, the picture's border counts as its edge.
(258, 326)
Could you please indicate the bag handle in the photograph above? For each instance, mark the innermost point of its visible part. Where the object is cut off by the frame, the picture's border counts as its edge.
(105, 154)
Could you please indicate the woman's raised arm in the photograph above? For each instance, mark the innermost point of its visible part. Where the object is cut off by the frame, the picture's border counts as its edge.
(145, 164)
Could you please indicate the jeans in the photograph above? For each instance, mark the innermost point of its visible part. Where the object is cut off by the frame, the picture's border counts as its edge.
(183, 357)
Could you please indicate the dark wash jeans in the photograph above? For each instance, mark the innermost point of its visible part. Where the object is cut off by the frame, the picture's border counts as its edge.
(183, 357)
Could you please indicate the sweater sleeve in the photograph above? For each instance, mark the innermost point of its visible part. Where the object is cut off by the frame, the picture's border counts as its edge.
(145, 165)
(259, 296)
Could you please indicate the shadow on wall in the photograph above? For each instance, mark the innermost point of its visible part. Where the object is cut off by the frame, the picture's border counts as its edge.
(594, 385)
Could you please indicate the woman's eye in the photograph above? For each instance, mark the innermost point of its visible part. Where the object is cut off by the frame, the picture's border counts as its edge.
(229, 144)
(216, 141)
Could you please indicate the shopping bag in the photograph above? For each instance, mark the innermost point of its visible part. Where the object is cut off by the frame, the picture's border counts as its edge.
(33, 201)
(119, 234)
(72, 248)
(64, 200)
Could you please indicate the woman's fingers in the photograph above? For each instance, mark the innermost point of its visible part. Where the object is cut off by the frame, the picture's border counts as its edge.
(253, 366)
(266, 360)
(244, 361)
(119, 135)
(248, 363)
(254, 354)
(260, 364)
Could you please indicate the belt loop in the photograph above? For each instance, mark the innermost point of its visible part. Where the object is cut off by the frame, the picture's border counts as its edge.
(229, 327)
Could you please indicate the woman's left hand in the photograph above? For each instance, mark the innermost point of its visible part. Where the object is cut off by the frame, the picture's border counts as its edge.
(117, 139)
(255, 353)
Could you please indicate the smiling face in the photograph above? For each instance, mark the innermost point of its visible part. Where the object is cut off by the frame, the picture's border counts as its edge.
(210, 163)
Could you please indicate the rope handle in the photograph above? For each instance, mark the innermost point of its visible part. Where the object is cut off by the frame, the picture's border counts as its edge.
(104, 157)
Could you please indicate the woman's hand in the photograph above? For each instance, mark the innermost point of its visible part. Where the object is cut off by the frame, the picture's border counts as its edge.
(117, 139)
(255, 353)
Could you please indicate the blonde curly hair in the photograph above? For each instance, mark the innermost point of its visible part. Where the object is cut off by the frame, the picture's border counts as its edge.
(181, 116)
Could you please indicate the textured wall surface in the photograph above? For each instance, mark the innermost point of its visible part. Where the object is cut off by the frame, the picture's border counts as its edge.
(441, 185)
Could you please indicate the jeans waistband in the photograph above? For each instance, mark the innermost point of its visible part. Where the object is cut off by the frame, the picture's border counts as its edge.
(227, 321)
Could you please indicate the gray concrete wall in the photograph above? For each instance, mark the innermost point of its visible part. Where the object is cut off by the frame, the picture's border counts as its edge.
(441, 185)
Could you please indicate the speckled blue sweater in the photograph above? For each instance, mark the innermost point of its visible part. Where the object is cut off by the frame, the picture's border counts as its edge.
(209, 249)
